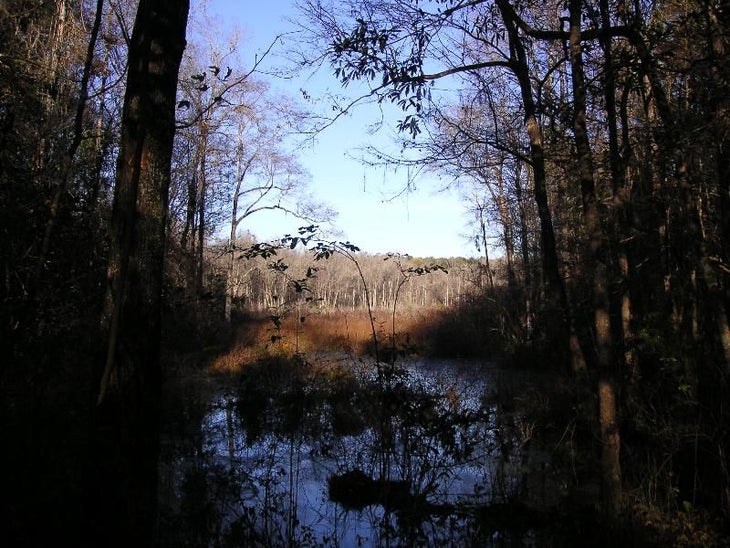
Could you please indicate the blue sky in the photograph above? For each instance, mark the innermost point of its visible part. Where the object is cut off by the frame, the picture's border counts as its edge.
(425, 222)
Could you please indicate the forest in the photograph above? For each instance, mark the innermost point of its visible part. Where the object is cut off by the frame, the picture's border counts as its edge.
(590, 142)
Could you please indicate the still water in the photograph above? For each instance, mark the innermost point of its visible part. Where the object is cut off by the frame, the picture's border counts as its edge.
(343, 452)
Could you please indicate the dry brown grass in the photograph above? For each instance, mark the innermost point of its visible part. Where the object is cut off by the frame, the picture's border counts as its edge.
(352, 331)
(234, 360)
(348, 332)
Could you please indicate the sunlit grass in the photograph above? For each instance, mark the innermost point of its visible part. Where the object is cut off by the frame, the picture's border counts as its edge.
(344, 332)
(442, 332)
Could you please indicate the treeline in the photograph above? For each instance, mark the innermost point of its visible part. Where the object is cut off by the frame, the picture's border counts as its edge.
(344, 282)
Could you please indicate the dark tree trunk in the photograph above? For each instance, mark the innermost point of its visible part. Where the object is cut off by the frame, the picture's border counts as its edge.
(620, 218)
(199, 260)
(190, 210)
(596, 258)
(126, 429)
(525, 252)
(718, 21)
(559, 317)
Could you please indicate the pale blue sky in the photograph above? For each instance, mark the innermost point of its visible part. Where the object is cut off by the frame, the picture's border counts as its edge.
(422, 223)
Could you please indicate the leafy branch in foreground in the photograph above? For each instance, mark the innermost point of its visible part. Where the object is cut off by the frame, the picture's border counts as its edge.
(299, 285)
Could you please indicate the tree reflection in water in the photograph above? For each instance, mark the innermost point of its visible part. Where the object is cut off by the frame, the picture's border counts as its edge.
(345, 454)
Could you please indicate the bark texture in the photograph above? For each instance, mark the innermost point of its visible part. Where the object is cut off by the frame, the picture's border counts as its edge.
(127, 403)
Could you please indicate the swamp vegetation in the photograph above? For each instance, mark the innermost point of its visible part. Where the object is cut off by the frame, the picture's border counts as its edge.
(159, 387)
(272, 447)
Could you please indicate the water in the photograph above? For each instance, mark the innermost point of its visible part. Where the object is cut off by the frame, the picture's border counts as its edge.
(343, 454)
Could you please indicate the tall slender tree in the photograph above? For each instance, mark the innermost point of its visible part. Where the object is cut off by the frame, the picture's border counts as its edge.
(596, 261)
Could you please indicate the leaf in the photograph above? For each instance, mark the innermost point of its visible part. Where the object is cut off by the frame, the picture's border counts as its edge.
(350, 247)
(300, 286)
(279, 266)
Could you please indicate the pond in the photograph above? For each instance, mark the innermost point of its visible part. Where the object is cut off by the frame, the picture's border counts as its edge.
(338, 451)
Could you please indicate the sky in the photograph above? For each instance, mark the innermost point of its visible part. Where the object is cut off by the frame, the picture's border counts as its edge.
(426, 222)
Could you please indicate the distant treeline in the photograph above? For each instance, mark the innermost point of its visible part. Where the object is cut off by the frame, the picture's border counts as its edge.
(390, 281)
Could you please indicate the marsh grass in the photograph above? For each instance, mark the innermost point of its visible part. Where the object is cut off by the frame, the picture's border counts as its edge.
(349, 332)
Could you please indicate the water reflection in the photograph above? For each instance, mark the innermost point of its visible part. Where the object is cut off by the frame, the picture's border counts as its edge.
(342, 454)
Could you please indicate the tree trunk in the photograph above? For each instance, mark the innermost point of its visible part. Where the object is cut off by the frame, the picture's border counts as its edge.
(126, 433)
(241, 170)
(485, 243)
(202, 189)
(621, 195)
(190, 210)
(559, 317)
(719, 49)
(610, 439)
(505, 219)
(525, 252)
